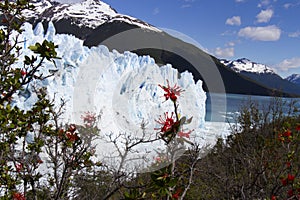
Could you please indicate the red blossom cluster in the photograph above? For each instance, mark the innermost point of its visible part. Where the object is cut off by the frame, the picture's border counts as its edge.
(158, 159)
(19, 167)
(292, 192)
(285, 136)
(18, 196)
(23, 73)
(298, 127)
(167, 122)
(184, 134)
(288, 180)
(89, 119)
(171, 92)
(176, 195)
(71, 134)
(171, 125)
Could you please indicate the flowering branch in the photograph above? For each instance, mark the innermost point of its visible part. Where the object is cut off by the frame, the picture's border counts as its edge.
(171, 125)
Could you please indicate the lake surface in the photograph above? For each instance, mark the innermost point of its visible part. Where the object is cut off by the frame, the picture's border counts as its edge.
(226, 107)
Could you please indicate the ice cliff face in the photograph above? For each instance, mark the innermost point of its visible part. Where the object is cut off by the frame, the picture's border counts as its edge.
(119, 75)
(122, 88)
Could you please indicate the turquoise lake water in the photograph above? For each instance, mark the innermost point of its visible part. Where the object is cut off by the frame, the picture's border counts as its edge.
(225, 107)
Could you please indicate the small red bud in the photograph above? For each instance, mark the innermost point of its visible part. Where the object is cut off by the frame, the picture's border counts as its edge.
(23, 72)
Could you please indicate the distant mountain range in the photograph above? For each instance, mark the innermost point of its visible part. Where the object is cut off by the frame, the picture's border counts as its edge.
(264, 75)
(95, 22)
(294, 78)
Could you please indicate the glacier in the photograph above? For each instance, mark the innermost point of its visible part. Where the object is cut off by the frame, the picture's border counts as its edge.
(121, 87)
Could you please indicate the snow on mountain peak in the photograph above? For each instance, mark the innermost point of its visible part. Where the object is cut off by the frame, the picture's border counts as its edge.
(294, 78)
(40, 7)
(245, 65)
(88, 13)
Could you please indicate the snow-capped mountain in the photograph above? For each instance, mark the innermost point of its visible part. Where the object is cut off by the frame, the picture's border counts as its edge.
(96, 23)
(262, 74)
(294, 78)
(245, 65)
(88, 14)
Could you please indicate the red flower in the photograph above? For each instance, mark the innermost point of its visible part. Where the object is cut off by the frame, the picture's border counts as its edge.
(273, 197)
(71, 136)
(4, 20)
(18, 196)
(23, 72)
(287, 133)
(284, 181)
(182, 134)
(167, 123)
(72, 128)
(290, 177)
(288, 164)
(290, 193)
(171, 92)
(165, 176)
(298, 127)
(176, 195)
(19, 167)
(89, 118)
(280, 137)
(61, 133)
(158, 159)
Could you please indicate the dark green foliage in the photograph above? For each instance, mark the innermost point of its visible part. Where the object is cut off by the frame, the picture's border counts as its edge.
(251, 161)
(20, 159)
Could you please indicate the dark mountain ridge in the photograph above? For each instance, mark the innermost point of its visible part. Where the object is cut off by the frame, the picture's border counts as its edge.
(262, 74)
(294, 78)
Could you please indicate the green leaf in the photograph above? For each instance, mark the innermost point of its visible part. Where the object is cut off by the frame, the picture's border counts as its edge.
(35, 47)
(189, 120)
(182, 120)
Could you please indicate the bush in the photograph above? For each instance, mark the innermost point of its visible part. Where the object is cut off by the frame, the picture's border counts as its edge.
(250, 163)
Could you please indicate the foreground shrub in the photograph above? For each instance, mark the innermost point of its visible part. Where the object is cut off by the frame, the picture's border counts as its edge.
(252, 162)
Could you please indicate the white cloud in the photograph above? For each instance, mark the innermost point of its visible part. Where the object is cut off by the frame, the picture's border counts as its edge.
(294, 34)
(230, 44)
(187, 3)
(239, 1)
(291, 63)
(155, 11)
(228, 33)
(267, 33)
(186, 6)
(235, 20)
(287, 5)
(265, 16)
(224, 53)
(263, 3)
(290, 5)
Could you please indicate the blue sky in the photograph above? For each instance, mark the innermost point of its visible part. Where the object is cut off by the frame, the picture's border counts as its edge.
(264, 31)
